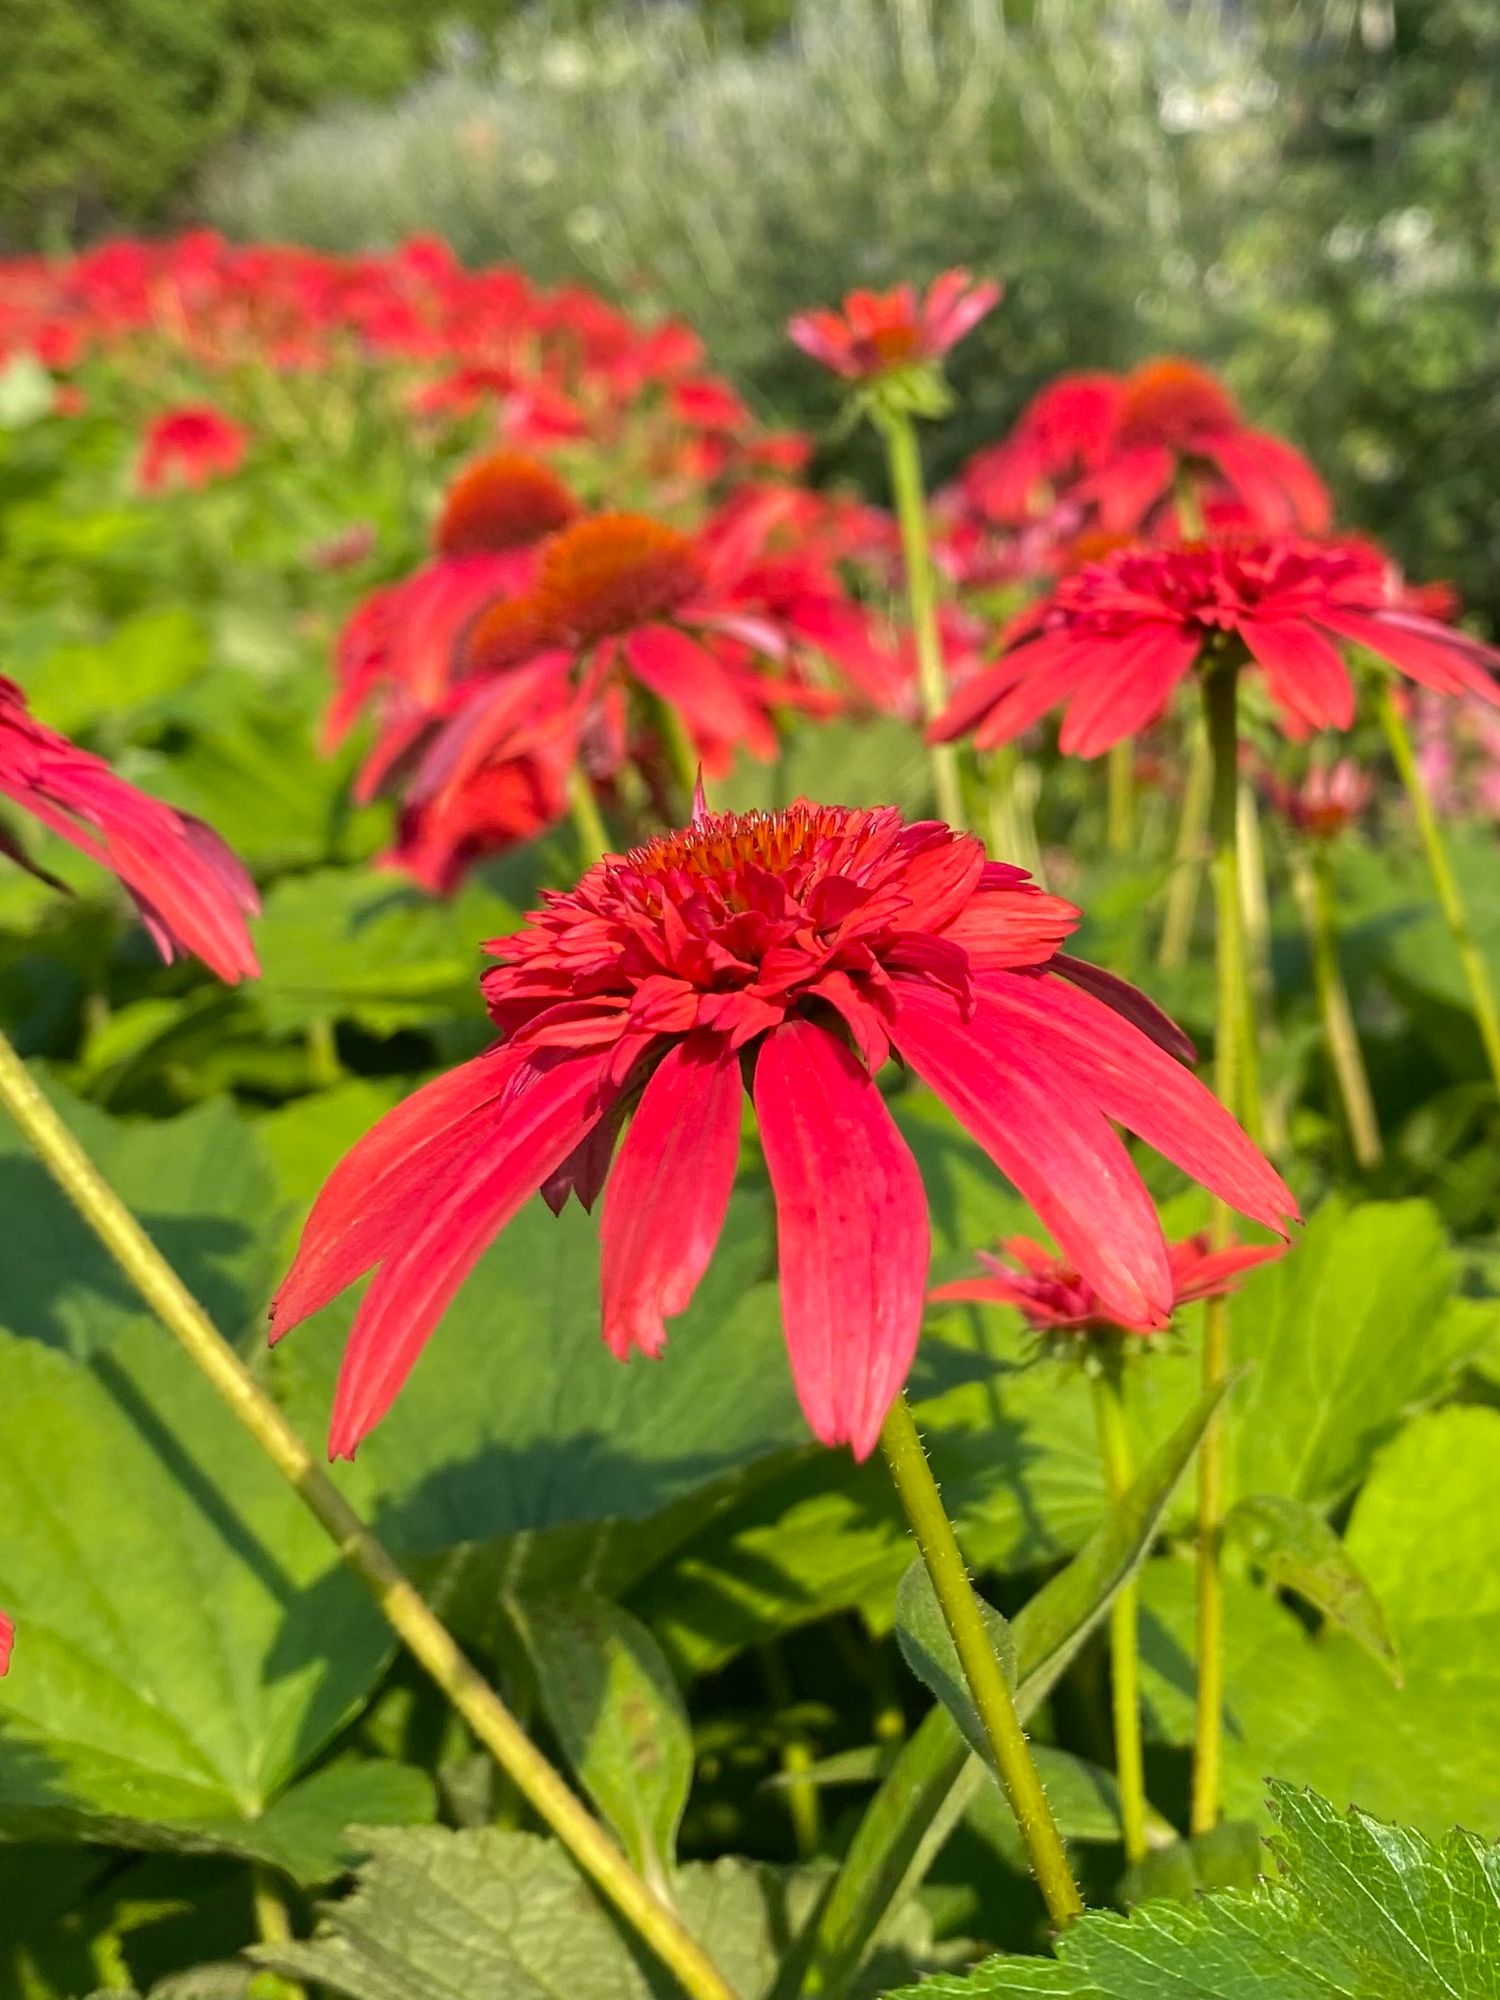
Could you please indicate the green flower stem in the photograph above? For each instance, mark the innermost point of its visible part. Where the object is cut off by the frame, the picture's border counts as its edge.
(1444, 881)
(1011, 786)
(685, 760)
(919, 1496)
(425, 1637)
(1255, 916)
(904, 459)
(588, 821)
(273, 1926)
(1313, 892)
(1114, 1452)
(1187, 871)
(1120, 823)
(1220, 691)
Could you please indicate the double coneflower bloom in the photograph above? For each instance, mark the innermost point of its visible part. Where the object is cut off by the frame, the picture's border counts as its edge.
(792, 955)
(1113, 640)
(191, 892)
(878, 333)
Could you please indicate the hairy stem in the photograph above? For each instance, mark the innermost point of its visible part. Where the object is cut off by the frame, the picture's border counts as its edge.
(1114, 1452)
(426, 1638)
(1444, 881)
(904, 459)
(923, 1505)
(273, 1925)
(1220, 690)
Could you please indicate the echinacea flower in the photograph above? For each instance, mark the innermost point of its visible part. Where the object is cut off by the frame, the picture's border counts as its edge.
(1326, 799)
(189, 447)
(1114, 640)
(190, 890)
(789, 954)
(1053, 1298)
(878, 333)
(399, 648)
(717, 627)
(1110, 452)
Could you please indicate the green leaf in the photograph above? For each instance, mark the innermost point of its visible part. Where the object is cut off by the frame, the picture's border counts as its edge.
(616, 1710)
(928, 1649)
(1297, 1549)
(345, 944)
(1318, 1709)
(1363, 1909)
(435, 1914)
(935, 1776)
(200, 1184)
(143, 659)
(188, 1640)
(1228, 1856)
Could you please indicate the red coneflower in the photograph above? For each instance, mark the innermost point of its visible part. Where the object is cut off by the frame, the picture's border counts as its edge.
(1114, 640)
(1325, 800)
(790, 953)
(878, 333)
(189, 447)
(190, 890)
(399, 647)
(1053, 1298)
(1111, 450)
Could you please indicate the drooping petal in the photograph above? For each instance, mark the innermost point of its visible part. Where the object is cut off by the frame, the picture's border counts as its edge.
(548, 1111)
(665, 1203)
(1304, 675)
(1128, 1001)
(7, 1642)
(1049, 1138)
(375, 1191)
(852, 1231)
(688, 677)
(1429, 652)
(1131, 1079)
(1118, 702)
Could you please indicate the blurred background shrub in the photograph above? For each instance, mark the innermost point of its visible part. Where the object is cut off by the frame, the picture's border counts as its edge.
(1300, 191)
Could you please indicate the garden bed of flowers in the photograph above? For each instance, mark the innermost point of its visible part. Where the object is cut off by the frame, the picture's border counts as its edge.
(993, 1413)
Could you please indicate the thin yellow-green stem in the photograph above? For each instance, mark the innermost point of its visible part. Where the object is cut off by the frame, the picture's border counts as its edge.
(803, 1805)
(1124, 1667)
(923, 1505)
(1011, 786)
(428, 1640)
(904, 459)
(1220, 687)
(1120, 822)
(1444, 881)
(273, 1925)
(1187, 869)
(1255, 915)
(1313, 892)
(588, 821)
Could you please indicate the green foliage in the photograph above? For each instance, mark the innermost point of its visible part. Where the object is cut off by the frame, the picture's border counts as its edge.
(108, 114)
(1360, 1907)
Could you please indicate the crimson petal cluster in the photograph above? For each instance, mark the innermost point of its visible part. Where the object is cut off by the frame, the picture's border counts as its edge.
(789, 954)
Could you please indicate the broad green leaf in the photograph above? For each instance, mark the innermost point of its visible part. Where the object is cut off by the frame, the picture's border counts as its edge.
(1318, 1709)
(204, 1191)
(188, 1641)
(928, 1649)
(346, 944)
(935, 1776)
(1362, 1909)
(93, 690)
(1297, 1549)
(616, 1710)
(437, 1914)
